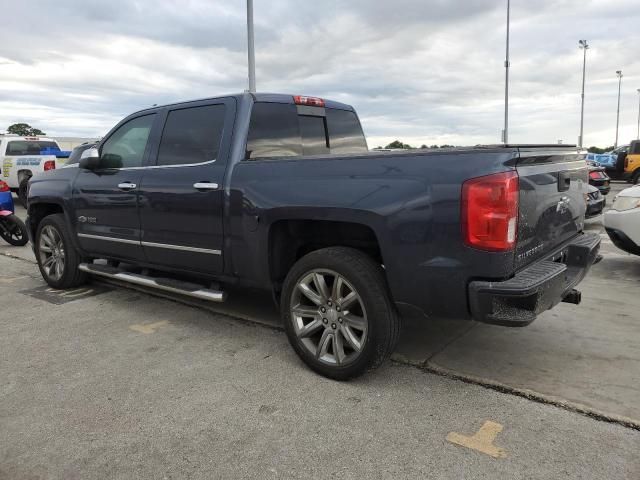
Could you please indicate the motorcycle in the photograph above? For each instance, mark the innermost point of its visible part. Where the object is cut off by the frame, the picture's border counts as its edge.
(12, 229)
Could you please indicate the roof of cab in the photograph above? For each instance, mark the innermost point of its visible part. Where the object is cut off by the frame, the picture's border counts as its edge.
(257, 97)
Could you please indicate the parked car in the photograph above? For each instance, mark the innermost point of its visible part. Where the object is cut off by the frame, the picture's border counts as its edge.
(598, 178)
(595, 202)
(12, 229)
(76, 153)
(23, 157)
(612, 161)
(280, 192)
(622, 220)
(632, 163)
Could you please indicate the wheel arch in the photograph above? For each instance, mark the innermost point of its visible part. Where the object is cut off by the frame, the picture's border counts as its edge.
(37, 211)
(291, 239)
(23, 174)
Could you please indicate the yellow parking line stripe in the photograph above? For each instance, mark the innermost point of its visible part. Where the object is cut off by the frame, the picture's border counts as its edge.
(482, 441)
(149, 327)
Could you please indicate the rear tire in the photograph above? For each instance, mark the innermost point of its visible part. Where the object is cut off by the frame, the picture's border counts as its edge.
(14, 231)
(635, 179)
(23, 192)
(57, 257)
(343, 324)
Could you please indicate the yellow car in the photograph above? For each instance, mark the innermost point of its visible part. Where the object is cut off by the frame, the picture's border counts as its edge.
(632, 163)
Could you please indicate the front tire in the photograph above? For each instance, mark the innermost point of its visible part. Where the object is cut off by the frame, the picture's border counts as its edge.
(13, 231)
(338, 314)
(57, 257)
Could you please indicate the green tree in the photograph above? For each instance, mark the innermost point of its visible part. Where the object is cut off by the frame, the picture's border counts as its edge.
(600, 150)
(24, 130)
(399, 144)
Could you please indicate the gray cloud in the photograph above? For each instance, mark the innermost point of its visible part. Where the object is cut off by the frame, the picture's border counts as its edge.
(424, 71)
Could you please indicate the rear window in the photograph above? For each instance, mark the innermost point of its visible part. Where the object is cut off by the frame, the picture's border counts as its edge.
(313, 134)
(345, 132)
(274, 131)
(282, 130)
(17, 148)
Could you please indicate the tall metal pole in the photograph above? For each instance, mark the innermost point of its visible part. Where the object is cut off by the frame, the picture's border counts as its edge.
(585, 46)
(251, 47)
(639, 114)
(619, 73)
(505, 132)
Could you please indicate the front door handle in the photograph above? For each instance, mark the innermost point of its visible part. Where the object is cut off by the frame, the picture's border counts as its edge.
(205, 186)
(126, 186)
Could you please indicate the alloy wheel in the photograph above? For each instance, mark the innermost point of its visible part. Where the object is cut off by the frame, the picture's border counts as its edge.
(329, 317)
(51, 252)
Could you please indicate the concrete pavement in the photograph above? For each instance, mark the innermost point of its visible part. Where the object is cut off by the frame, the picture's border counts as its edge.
(587, 355)
(125, 385)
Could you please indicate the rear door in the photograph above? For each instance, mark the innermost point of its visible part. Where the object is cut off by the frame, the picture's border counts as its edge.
(182, 194)
(553, 184)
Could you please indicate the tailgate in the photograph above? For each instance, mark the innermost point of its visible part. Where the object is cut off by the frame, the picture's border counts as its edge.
(553, 183)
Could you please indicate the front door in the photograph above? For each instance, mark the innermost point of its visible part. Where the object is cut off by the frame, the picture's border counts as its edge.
(182, 195)
(105, 200)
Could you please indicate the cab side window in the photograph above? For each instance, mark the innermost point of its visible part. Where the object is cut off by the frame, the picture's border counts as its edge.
(126, 147)
(192, 135)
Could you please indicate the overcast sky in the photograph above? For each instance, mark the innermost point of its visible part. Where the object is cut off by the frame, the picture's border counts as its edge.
(423, 71)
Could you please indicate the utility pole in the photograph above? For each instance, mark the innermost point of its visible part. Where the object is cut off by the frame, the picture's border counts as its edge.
(639, 114)
(585, 46)
(251, 47)
(619, 74)
(505, 132)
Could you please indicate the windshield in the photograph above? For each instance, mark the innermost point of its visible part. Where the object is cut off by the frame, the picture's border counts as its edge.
(77, 153)
(623, 149)
(31, 147)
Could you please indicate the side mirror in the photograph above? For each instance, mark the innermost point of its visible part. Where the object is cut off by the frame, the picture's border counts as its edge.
(90, 159)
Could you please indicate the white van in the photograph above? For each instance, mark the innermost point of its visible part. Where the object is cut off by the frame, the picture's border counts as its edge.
(23, 157)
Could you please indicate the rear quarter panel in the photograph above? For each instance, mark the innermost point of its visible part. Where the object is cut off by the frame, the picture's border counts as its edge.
(410, 201)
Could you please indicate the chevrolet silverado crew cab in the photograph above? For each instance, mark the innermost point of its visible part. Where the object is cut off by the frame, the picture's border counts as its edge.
(280, 192)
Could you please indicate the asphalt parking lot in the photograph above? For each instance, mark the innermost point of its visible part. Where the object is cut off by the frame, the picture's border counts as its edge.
(109, 382)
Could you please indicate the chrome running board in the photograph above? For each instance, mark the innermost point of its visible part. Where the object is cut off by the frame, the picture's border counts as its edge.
(165, 284)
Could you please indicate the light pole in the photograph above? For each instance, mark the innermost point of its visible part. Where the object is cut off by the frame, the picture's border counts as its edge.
(251, 48)
(505, 132)
(584, 46)
(619, 74)
(639, 114)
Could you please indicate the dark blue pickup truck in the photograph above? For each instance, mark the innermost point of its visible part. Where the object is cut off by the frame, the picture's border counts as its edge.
(281, 193)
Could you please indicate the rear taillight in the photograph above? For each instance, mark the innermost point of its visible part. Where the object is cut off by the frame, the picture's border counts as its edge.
(310, 101)
(595, 175)
(3, 186)
(490, 212)
(49, 165)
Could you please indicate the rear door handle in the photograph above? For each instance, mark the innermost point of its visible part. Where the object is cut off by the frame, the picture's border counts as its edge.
(127, 186)
(205, 186)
